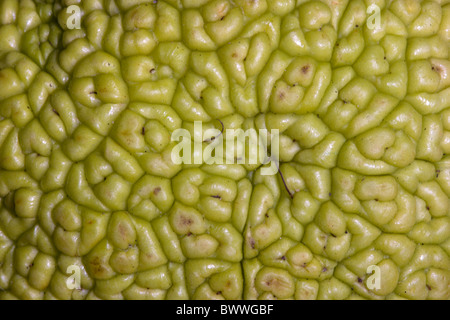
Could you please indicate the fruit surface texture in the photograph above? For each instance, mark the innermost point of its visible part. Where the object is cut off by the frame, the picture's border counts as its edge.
(224, 149)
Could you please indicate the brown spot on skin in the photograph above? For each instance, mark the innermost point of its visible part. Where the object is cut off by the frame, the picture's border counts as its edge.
(143, 131)
(281, 95)
(325, 269)
(283, 258)
(152, 70)
(360, 280)
(217, 197)
(252, 243)
(156, 191)
(428, 287)
(122, 230)
(186, 221)
(305, 69)
(234, 55)
(437, 68)
(93, 92)
(97, 265)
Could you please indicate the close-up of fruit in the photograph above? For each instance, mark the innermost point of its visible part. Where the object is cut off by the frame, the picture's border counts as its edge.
(224, 150)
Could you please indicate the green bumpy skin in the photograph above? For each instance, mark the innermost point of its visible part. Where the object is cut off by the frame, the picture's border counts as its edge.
(89, 192)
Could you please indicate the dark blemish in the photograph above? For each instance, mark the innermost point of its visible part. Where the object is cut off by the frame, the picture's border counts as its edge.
(217, 197)
(152, 70)
(186, 221)
(325, 269)
(56, 112)
(143, 131)
(222, 18)
(93, 92)
(221, 131)
(156, 190)
(283, 258)
(189, 234)
(329, 194)
(376, 200)
(346, 231)
(252, 243)
(333, 235)
(305, 69)
(428, 208)
(357, 25)
(219, 292)
(267, 215)
(284, 182)
(360, 280)
(428, 287)
(337, 44)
